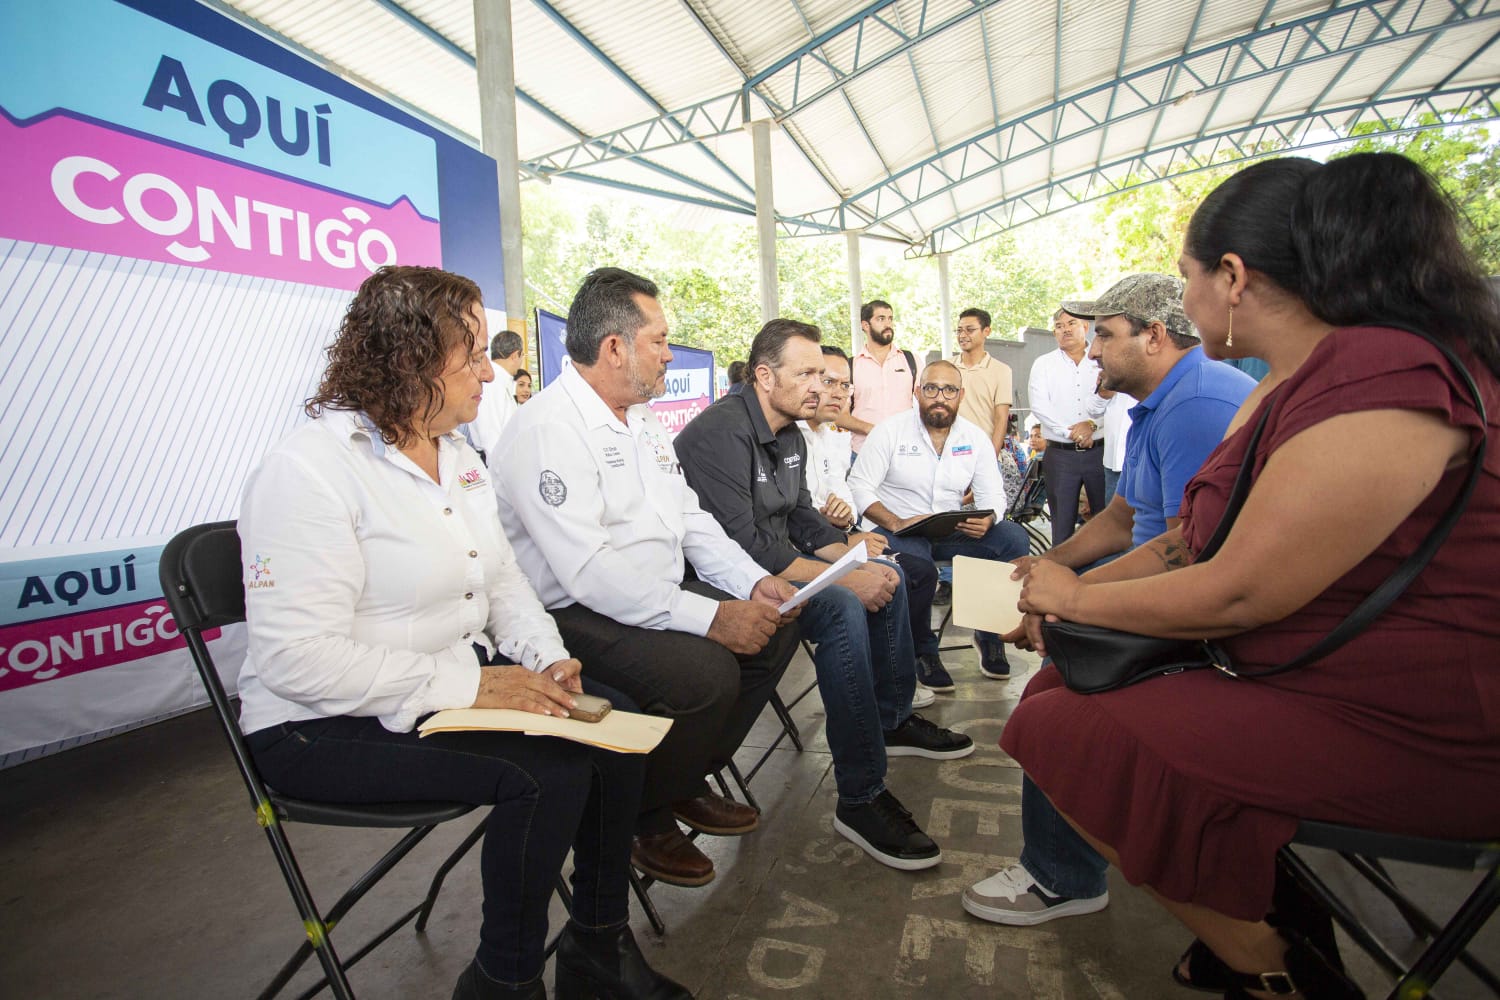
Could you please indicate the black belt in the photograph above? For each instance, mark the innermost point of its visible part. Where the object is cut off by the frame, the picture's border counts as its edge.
(1098, 443)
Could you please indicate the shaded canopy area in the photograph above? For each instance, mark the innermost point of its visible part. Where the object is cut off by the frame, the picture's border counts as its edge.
(935, 123)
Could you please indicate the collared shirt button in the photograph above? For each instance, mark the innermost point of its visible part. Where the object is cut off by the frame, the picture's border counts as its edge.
(473, 554)
(469, 596)
(447, 510)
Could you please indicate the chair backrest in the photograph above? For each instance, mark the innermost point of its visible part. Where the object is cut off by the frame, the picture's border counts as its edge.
(202, 581)
(1031, 496)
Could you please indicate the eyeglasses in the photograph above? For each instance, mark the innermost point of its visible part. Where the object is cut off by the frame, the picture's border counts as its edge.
(832, 383)
(931, 391)
(970, 330)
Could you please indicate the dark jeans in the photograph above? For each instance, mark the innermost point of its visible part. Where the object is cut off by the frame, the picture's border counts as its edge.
(712, 695)
(548, 794)
(867, 673)
(1005, 541)
(1065, 470)
(1054, 854)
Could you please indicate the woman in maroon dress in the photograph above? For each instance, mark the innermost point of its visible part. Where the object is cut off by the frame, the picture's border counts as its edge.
(1190, 783)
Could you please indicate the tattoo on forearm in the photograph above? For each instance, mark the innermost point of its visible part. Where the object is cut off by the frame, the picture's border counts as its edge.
(1173, 554)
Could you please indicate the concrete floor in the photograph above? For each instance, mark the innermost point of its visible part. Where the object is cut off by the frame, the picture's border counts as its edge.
(133, 868)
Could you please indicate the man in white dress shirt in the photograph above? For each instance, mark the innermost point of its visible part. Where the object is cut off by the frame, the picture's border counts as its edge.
(602, 521)
(1064, 398)
(499, 402)
(829, 452)
(920, 463)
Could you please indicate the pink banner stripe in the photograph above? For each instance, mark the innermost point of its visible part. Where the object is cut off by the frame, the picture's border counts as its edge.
(41, 651)
(69, 183)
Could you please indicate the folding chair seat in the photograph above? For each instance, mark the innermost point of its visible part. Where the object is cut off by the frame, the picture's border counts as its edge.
(1364, 850)
(201, 579)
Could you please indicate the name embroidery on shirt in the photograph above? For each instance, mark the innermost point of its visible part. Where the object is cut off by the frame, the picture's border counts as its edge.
(471, 480)
(553, 490)
(612, 457)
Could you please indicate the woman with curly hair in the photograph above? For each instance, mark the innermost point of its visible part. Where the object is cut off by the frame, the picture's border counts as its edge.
(1191, 783)
(382, 589)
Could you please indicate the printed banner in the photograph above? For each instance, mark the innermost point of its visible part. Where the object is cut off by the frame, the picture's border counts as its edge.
(690, 388)
(690, 374)
(185, 207)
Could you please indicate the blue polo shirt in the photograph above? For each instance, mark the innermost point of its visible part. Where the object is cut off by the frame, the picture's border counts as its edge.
(1171, 433)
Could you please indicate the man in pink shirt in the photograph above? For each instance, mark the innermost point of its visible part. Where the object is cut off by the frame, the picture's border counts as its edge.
(884, 376)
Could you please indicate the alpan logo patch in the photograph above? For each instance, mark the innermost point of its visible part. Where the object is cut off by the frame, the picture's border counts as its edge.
(260, 573)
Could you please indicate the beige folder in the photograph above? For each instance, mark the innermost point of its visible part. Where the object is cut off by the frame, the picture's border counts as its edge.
(984, 595)
(624, 732)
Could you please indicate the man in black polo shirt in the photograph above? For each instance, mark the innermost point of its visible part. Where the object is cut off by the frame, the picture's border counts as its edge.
(745, 458)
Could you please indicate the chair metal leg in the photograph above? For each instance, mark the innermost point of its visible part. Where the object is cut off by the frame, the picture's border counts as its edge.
(639, 884)
(1449, 944)
(743, 783)
(1422, 925)
(566, 895)
(316, 927)
(718, 777)
(788, 725)
(444, 869)
(1341, 913)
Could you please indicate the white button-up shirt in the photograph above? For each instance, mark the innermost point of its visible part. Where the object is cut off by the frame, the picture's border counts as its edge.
(1062, 393)
(829, 451)
(600, 515)
(899, 467)
(367, 584)
(495, 410)
(1115, 426)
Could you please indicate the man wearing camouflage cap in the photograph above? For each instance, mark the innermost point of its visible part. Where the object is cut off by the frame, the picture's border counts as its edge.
(1146, 348)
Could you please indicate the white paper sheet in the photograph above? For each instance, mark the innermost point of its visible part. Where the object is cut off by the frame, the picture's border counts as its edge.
(828, 577)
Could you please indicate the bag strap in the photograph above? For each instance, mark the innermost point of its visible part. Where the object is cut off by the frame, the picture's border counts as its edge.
(1241, 487)
(1381, 598)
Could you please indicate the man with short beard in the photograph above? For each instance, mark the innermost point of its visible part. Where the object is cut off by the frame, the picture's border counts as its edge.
(746, 460)
(920, 463)
(883, 376)
(602, 522)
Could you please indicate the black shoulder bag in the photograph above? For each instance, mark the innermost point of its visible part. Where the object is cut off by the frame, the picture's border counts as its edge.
(1093, 659)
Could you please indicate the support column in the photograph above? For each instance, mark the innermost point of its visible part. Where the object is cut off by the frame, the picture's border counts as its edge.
(495, 62)
(945, 301)
(856, 292)
(765, 218)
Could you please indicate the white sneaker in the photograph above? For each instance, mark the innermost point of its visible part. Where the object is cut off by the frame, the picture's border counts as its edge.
(1011, 896)
(922, 697)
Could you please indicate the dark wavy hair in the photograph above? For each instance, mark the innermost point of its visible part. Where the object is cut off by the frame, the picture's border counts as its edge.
(392, 347)
(1360, 239)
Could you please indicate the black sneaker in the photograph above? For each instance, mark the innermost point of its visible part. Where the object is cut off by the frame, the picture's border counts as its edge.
(931, 672)
(992, 661)
(916, 737)
(886, 832)
(944, 594)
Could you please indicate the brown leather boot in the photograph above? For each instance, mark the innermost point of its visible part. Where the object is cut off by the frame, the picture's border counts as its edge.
(716, 815)
(671, 858)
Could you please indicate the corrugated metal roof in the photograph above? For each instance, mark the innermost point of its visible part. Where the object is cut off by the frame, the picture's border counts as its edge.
(932, 122)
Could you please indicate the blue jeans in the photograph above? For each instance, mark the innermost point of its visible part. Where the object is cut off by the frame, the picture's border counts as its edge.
(1055, 855)
(1005, 541)
(867, 673)
(1111, 483)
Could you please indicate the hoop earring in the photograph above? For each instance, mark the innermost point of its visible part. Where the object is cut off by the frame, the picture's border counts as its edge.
(1229, 339)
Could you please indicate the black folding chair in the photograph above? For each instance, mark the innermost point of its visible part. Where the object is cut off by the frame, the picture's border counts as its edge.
(1364, 850)
(201, 579)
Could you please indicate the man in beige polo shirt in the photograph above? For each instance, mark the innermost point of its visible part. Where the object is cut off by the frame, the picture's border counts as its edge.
(987, 383)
